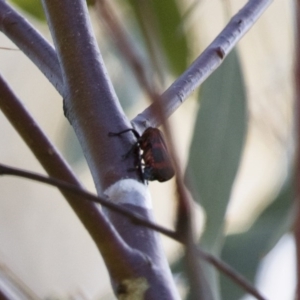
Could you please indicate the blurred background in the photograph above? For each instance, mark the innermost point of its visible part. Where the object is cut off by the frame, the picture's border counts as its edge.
(237, 149)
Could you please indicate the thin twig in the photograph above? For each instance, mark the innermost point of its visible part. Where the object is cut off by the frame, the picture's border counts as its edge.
(137, 219)
(297, 183)
(8, 48)
(32, 43)
(205, 64)
(199, 286)
(231, 273)
(97, 224)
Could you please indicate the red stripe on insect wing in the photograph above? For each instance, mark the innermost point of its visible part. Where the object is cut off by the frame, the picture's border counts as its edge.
(148, 156)
(159, 145)
(159, 155)
(161, 165)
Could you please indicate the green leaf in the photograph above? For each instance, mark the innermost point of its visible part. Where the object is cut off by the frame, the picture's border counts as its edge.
(173, 39)
(217, 145)
(245, 251)
(160, 23)
(33, 7)
(216, 150)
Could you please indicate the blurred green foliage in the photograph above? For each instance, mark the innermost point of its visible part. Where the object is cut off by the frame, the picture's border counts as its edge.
(245, 251)
(35, 8)
(217, 145)
(32, 7)
(160, 23)
(216, 150)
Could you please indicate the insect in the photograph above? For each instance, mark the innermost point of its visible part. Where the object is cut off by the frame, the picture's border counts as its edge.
(157, 163)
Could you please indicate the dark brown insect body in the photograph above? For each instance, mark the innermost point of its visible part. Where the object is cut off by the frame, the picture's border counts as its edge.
(157, 162)
(158, 165)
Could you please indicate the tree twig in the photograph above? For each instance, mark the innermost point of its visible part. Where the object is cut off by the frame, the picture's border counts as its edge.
(101, 230)
(10, 49)
(31, 42)
(297, 183)
(231, 273)
(78, 191)
(90, 103)
(205, 64)
(93, 110)
(136, 219)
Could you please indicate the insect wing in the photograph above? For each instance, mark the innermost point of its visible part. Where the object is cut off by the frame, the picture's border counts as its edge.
(158, 165)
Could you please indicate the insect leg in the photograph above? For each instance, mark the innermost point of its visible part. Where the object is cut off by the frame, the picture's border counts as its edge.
(131, 150)
(136, 134)
(134, 149)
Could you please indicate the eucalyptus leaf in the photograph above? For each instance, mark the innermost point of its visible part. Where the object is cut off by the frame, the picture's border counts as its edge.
(32, 7)
(215, 152)
(35, 8)
(217, 145)
(245, 251)
(160, 22)
(173, 38)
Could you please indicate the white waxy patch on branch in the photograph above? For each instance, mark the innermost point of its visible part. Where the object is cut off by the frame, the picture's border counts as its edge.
(129, 191)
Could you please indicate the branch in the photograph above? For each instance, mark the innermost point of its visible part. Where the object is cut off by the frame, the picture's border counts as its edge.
(297, 183)
(204, 65)
(136, 219)
(184, 226)
(231, 273)
(196, 277)
(78, 191)
(90, 104)
(199, 285)
(93, 110)
(103, 233)
(30, 41)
